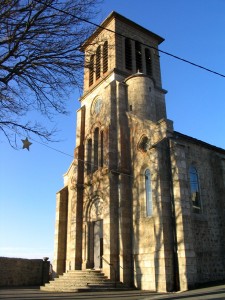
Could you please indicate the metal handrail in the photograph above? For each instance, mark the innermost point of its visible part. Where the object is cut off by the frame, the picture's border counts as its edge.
(111, 265)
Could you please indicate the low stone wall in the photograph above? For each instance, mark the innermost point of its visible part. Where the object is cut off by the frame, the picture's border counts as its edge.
(23, 272)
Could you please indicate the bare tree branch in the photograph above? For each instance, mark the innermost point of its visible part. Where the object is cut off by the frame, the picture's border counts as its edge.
(40, 61)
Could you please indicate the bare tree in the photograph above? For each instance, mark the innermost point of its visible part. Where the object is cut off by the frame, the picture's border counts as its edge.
(40, 60)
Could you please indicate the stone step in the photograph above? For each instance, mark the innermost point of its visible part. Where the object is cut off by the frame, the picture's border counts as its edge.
(67, 278)
(58, 289)
(84, 272)
(64, 280)
(106, 285)
(74, 281)
(62, 287)
(71, 283)
(80, 285)
(80, 274)
(66, 275)
(82, 289)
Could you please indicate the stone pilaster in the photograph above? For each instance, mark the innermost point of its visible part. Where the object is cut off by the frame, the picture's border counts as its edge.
(61, 231)
(185, 241)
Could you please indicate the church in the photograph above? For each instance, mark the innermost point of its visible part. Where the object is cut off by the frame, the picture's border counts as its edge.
(141, 202)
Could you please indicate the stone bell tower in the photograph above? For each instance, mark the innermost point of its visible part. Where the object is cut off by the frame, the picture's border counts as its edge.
(113, 211)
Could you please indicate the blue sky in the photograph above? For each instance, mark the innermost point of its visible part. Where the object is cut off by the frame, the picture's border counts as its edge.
(193, 30)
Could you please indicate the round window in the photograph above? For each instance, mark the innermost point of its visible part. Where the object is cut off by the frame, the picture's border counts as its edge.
(96, 106)
(144, 144)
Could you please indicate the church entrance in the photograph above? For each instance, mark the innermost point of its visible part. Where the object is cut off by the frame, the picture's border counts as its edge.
(95, 234)
(95, 245)
(98, 244)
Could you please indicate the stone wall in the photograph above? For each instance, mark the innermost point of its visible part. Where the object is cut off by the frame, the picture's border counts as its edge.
(200, 234)
(23, 272)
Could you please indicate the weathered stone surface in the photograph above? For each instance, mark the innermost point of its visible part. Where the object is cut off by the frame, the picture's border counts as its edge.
(23, 272)
(122, 132)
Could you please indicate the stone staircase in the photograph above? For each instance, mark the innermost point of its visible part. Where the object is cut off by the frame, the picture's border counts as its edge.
(81, 281)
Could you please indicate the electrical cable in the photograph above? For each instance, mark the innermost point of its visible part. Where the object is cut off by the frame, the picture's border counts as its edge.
(112, 171)
(122, 35)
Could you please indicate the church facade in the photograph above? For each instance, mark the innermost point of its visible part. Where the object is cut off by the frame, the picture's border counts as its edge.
(142, 202)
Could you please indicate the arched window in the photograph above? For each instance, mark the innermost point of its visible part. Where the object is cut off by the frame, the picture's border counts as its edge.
(148, 62)
(96, 136)
(91, 70)
(194, 185)
(148, 193)
(102, 149)
(128, 54)
(105, 57)
(138, 57)
(89, 156)
(98, 62)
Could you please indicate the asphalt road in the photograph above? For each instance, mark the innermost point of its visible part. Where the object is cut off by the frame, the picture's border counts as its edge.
(212, 292)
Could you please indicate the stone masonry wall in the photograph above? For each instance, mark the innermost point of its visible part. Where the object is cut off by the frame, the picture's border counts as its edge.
(23, 272)
(208, 226)
(201, 242)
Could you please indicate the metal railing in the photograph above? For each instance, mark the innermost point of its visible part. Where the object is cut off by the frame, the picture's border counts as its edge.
(111, 265)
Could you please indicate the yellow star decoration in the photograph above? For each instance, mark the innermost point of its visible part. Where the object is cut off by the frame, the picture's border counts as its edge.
(26, 144)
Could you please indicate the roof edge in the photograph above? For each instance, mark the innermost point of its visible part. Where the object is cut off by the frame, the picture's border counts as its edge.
(118, 16)
(199, 142)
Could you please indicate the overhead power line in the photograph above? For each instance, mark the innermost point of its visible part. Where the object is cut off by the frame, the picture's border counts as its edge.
(124, 36)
